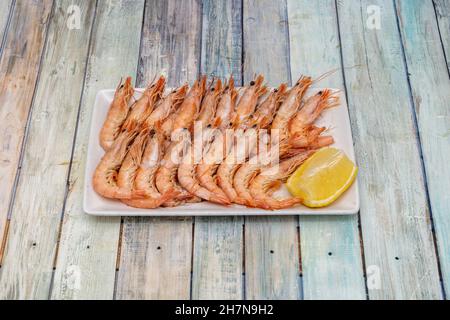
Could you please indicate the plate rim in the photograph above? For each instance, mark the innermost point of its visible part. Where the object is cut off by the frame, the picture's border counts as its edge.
(223, 211)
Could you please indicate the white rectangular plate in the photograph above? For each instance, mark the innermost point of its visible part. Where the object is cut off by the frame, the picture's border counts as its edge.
(336, 119)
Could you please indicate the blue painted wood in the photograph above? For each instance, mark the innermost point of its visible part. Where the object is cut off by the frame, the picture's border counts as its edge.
(442, 9)
(170, 44)
(271, 243)
(5, 11)
(41, 187)
(430, 84)
(218, 241)
(329, 246)
(88, 247)
(398, 243)
(5, 8)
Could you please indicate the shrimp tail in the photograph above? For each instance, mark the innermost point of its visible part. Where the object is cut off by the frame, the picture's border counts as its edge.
(139, 194)
(168, 195)
(259, 203)
(220, 199)
(283, 204)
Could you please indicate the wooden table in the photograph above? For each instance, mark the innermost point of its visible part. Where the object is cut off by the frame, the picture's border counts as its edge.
(391, 57)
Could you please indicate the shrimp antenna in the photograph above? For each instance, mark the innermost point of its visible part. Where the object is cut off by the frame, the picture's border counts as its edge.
(120, 83)
(211, 84)
(153, 80)
(325, 75)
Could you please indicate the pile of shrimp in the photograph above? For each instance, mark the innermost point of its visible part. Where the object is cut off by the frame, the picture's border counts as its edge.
(151, 143)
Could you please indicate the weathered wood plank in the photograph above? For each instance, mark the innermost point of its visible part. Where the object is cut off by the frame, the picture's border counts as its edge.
(86, 262)
(218, 242)
(19, 67)
(222, 39)
(36, 213)
(156, 252)
(398, 244)
(271, 243)
(442, 9)
(430, 84)
(329, 246)
(5, 10)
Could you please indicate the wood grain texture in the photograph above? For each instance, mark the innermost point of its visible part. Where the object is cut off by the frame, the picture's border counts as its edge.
(271, 243)
(218, 242)
(430, 84)
(171, 41)
(86, 262)
(329, 246)
(156, 252)
(40, 192)
(442, 9)
(5, 10)
(398, 244)
(222, 39)
(19, 67)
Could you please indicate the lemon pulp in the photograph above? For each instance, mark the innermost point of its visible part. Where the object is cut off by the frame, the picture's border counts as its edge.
(322, 178)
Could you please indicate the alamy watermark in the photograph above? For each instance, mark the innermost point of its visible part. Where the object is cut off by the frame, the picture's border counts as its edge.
(373, 21)
(74, 17)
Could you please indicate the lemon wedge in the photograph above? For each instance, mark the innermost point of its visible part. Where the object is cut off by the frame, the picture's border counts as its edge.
(322, 178)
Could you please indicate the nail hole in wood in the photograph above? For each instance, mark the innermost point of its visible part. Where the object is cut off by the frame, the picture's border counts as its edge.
(397, 258)
(158, 248)
(330, 253)
(271, 251)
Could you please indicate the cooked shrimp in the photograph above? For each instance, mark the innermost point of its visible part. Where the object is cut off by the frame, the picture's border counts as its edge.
(221, 146)
(269, 180)
(247, 171)
(291, 103)
(189, 108)
(253, 166)
(209, 104)
(165, 110)
(166, 176)
(225, 108)
(117, 114)
(105, 175)
(206, 171)
(188, 180)
(131, 163)
(265, 113)
(248, 101)
(310, 137)
(167, 123)
(311, 110)
(145, 104)
(238, 155)
(145, 175)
